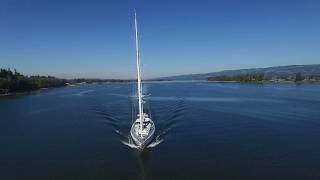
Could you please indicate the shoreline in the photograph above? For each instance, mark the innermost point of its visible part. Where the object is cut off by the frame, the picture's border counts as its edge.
(27, 91)
(54, 87)
(74, 85)
(14, 93)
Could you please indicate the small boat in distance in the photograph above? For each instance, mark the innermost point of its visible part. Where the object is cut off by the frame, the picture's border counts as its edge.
(143, 128)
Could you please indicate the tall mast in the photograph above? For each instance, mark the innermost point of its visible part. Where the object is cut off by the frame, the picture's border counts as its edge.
(138, 71)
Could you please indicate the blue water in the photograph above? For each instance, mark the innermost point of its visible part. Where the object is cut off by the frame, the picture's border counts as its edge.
(204, 131)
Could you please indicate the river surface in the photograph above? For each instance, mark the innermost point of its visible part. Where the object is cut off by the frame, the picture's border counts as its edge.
(203, 131)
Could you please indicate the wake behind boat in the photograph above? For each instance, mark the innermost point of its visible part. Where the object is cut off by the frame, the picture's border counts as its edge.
(142, 130)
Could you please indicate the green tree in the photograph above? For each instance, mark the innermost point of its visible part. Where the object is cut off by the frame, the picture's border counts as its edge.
(299, 77)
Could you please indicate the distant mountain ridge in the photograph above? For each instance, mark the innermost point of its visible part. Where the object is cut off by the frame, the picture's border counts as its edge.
(275, 72)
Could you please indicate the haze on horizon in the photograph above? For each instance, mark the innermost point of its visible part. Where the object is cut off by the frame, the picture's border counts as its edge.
(94, 38)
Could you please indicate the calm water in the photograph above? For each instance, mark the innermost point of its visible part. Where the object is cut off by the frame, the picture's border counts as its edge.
(204, 131)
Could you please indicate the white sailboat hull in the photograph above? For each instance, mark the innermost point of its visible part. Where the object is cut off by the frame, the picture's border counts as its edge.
(144, 137)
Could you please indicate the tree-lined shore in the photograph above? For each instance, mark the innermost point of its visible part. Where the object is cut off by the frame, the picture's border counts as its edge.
(287, 73)
(240, 78)
(15, 82)
(260, 77)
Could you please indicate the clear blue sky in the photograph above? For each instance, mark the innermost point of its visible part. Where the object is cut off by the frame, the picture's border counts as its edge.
(91, 38)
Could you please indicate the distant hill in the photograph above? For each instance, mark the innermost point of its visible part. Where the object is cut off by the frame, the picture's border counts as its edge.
(273, 72)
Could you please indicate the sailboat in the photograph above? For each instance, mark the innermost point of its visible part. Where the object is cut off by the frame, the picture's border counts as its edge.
(143, 128)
